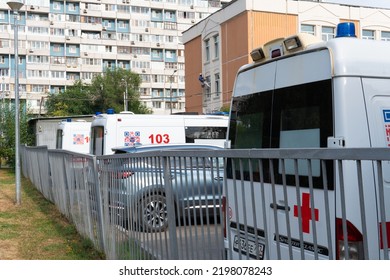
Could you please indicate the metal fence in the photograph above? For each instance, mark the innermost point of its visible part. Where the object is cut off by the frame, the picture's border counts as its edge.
(168, 205)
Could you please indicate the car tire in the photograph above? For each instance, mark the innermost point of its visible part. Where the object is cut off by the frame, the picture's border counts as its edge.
(153, 213)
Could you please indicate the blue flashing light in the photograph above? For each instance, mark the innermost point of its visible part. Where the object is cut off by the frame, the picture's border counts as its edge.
(219, 113)
(346, 29)
(110, 111)
(98, 113)
(68, 120)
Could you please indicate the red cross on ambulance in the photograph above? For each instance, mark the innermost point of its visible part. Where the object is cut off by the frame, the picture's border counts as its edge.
(306, 212)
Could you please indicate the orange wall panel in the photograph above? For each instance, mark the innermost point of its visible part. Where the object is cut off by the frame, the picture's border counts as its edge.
(269, 26)
(193, 59)
(240, 35)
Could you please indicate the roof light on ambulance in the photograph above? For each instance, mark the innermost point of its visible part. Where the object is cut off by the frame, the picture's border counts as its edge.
(257, 54)
(345, 29)
(292, 43)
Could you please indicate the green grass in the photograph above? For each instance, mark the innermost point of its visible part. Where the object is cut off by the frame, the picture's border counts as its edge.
(9, 230)
(36, 228)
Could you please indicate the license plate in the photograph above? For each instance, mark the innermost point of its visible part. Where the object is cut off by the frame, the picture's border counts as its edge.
(248, 247)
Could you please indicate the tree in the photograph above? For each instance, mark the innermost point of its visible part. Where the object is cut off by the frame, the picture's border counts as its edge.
(225, 108)
(109, 91)
(105, 91)
(7, 129)
(76, 100)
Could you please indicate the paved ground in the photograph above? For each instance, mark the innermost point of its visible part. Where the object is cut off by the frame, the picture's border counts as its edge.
(192, 243)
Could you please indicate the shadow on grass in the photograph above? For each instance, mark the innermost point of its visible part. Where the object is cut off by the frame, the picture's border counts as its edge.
(79, 247)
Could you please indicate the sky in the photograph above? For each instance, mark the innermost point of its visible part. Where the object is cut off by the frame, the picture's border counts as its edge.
(366, 3)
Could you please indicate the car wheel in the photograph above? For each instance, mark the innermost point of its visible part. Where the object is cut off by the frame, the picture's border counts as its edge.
(154, 215)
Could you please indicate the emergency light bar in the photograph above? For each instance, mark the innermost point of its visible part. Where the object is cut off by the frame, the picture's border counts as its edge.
(281, 46)
(292, 43)
(257, 54)
(345, 29)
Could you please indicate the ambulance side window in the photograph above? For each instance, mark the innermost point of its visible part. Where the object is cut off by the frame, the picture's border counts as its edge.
(59, 139)
(97, 140)
(250, 121)
(204, 132)
(249, 127)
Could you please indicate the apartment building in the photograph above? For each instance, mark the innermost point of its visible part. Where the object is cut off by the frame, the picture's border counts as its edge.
(218, 45)
(61, 41)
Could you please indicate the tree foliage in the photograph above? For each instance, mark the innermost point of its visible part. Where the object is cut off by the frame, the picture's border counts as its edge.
(76, 100)
(105, 91)
(7, 130)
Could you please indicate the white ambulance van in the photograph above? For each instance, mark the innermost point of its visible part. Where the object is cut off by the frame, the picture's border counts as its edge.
(73, 135)
(112, 130)
(303, 93)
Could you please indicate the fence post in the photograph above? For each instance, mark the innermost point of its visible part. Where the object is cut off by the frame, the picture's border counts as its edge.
(170, 209)
(99, 205)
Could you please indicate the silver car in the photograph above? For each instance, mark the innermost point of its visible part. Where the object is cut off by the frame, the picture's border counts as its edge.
(138, 193)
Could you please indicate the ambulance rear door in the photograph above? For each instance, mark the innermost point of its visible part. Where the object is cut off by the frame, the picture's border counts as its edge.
(302, 118)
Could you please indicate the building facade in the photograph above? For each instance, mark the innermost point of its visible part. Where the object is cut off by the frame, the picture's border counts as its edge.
(219, 45)
(61, 41)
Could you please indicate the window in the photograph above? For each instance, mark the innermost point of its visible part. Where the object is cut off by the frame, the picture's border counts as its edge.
(385, 36)
(123, 49)
(72, 6)
(204, 132)
(56, 74)
(368, 35)
(169, 25)
(170, 54)
(169, 39)
(156, 104)
(207, 49)
(57, 60)
(72, 49)
(39, 59)
(186, 15)
(57, 31)
(39, 88)
(97, 138)
(59, 139)
(217, 88)
(4, 43)
(57, 6)
(57, 47)
(216, 46)
(305, 28)
(292, 117)
(73, 61)
(327, 33)
(122, 24)
(88, 75)
(170, 15)
(4, 73)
